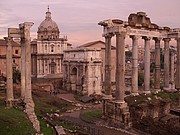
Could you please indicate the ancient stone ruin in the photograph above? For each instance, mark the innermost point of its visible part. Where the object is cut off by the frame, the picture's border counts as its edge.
(23, 32)
(82, 71)
(137, 26)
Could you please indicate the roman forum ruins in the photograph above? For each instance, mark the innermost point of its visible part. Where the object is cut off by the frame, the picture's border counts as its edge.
(23, 32)
(138, 26)
(82, 71)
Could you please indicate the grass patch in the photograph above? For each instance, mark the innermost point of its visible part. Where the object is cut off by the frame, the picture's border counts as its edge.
(46, 103)
(14, 122)
(44, 129)
(91, 116)
(172, 96)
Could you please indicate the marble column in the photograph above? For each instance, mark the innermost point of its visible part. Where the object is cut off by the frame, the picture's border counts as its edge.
(107, 83)
(23, 63)
(26, 37)
(166, 63)
(120, 66)
(172, 69)
(147, 65)
(134, 65)
(157, 65)
(178, 65)
(9, 73)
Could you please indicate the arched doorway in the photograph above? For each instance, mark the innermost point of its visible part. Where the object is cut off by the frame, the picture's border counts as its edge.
(73, 78)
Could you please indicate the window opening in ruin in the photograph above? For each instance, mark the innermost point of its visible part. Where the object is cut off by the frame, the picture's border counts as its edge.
(16, 51)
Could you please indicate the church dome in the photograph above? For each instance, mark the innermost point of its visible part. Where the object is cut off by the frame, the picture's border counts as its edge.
(48, 29)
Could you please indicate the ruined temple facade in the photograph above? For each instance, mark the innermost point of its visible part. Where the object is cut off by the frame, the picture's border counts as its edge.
(137, 26)
(47, 50)
(82, 71)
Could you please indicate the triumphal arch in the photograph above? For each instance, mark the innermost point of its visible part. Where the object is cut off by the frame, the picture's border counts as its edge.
(138, 26)
(82, 71)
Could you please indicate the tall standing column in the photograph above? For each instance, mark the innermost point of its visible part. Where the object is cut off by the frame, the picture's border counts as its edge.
(134, 65)
(23, 64)
(172, 70)
(120, 66)
(147, 65)
(9, 91)
(166, 63)
(157, 65)
(25, 37)
(178, 65)
(29, 104)
(108, 66)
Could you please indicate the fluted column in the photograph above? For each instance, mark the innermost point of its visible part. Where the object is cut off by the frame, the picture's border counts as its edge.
(108, 65)
(147, 65)
(166, 63)
(9, 72)
(134, 65)
(178, 65)
(120, 66)
(157, 65)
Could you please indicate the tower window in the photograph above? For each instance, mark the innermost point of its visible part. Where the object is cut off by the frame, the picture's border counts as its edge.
(16, 51)
(52, 49)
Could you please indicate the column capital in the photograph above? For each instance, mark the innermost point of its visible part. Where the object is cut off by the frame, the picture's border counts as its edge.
(134, 37)
(26, 25)
(157, 39)
(166, 39)
(109, 35)
(146, 38)
(8, 39)
(121, 34)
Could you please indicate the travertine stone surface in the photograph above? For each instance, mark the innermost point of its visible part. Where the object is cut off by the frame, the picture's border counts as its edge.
(9, 73)
(166, 63)
(120, 66)
(147, 65)
(134, 65)
(178, 65)
(27, 93)
(157, 64)
(82, 71)
(108, 89)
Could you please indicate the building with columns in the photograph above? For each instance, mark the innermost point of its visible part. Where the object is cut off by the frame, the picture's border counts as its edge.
(47, 50)
(16, 56)
(138, 26)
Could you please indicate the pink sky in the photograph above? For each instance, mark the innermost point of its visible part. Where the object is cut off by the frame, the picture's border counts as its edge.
(78, 19)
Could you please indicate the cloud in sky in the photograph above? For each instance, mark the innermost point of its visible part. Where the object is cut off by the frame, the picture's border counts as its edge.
(78, 18)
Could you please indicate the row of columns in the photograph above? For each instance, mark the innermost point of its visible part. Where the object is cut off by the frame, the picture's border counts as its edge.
(120, 65)
(25, 64)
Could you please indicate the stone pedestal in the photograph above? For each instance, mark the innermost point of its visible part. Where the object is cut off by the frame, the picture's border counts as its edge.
(116, 113)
